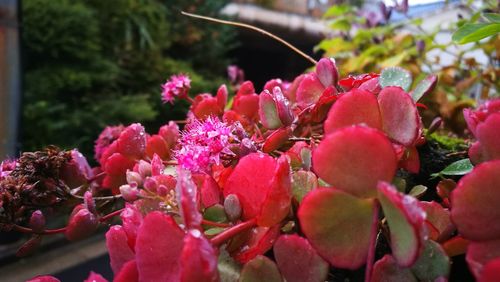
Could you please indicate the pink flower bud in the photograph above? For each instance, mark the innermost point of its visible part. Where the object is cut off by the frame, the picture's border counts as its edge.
(81, 225)
(134, 177)
(129, 193)
(144, 169)
(37, 221)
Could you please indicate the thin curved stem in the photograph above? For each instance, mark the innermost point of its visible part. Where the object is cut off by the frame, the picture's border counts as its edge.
(31, 231)
(238, 24)
(233, 231)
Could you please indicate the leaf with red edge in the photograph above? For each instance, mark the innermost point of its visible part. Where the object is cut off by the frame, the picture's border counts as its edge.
(327, 72)
(221, 96)
(400, 117)
(475, 201)
(187, 194)
(481, 253)
(131, 221)
(406, 219)
(371, 86)
(309, 90)
(276, 139)
(157, 145)
(116, 168)
(206, 105)
(159, 244)
(438, 220)
(118, 248)
(338, 226)
(270, 84)
(263, 187)
(268, 112)
(246, 88)
(354, 159)
(425, 86)
(128, 273)
(157, 165)
(276, 206)
(260, 269)
(410, 160)
(291, 91)
(387, 270)
(210, 192)
(491, 271)
(488, 135)
(198, 259)
(298, 261)
(132, 141)
(395, 76)
(354, 107)
(432, 264)
(257, 242)
(325, 102)
(95, 277)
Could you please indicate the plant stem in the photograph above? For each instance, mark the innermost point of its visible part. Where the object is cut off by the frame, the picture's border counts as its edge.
(215, 224)
(233, 231)
(110, 215)
(373, 243)
(30, 231)
(282, 41)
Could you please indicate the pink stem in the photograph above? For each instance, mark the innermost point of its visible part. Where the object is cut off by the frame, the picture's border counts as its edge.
(110, 215)
(30, 231)
(233, 231)
(373, 243)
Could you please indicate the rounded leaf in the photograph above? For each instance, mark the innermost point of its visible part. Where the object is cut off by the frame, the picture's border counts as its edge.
(118, 248)
(475, 201)
(260, 269)
(406, 220)
(198, 259)
(309, 90)
(481, 253)
(400, 117)
(132, 141)
(337, 225)
(298, 261)
(395, 76)
(354, 159)
(387, 270)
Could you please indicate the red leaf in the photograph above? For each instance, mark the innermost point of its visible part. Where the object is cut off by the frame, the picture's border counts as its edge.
(187, 194)
(132, 141)
(95, 277)
(260, 240)
(44, 278)
(276, 139)
(338, 225)
(210, 191)
(128, 273)
(158, 248)
(309, 90)
(475, 201)
(400, 116)
(81, 225)
(327, 72)
(387, 270)
(439, 218)
(221, 96)
(263, 186)
(157, 145)
(198, 259)
(354, 107)
(488, 135)
(131, 221)
(481, 253)
(410, 160)
(354, 159)
(118, 248)
(491, 271)
(260, 269)
(406, 220)
(298, 261)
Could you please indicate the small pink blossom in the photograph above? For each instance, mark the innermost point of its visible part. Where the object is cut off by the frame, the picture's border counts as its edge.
(176, 86)
(6, 167)
(203, 142)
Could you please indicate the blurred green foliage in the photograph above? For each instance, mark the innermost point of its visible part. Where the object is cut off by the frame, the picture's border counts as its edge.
(364, 42)
(92, 63)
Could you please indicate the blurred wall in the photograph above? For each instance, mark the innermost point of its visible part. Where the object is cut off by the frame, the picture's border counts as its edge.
(10, 94)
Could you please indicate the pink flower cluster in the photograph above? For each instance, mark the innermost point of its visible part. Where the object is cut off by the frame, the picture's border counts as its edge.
(177, 86)
(203, 142)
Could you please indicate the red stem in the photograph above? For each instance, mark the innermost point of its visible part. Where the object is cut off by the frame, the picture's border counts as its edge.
(95, 177)
(373, 243)
(215, 224)
(110, 215)
(30, 231)
(190, 100)
(233, 231)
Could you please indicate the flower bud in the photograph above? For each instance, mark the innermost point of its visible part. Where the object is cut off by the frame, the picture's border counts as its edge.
(144, 169)
(81, 225)
(327, 72)
(89, 202)
(129, 193)
(134, 177)
(232, 207)
(150, 184)
(37, 221)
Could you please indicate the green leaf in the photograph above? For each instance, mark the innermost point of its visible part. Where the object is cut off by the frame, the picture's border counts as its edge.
(432, 263)
(475, 32)
(215, 213)
(423, 87)
(460, 167)
(394, 60)
(418, 191)
(337, 10)
(229, 269)
(340, 24)
(395, 76)
(214, 231)
(302, 183)
(492, 17)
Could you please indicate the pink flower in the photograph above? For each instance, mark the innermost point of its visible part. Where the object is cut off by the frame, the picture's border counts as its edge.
(6, 167)
(176, 86)
(203, 142)
(107, 136)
